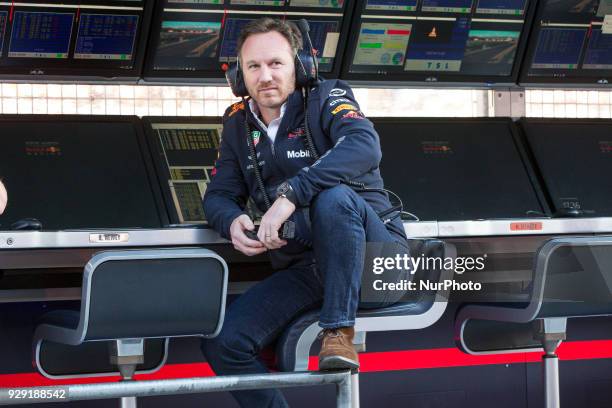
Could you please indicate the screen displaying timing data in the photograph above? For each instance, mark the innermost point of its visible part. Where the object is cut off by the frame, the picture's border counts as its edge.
(188, 153)
(187, 45)
(449, 169)
(317, 3)
(394, 5)
(437, 45)
(106, 36)
(382, 44)
(562, 148)
(599, 51)
(571, 45)
(559, 48)
(447, 6)
(507, 7)
(88, 173)
(40, 35)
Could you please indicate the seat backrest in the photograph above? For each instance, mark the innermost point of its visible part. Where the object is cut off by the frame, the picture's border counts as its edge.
(153, 293)
(572, 277)
(577, 277)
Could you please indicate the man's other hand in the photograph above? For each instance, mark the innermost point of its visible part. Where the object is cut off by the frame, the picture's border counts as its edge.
(272, 221)
(241, 242)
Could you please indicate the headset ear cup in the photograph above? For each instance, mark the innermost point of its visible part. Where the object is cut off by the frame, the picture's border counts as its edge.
(234, 78)
(305, 72)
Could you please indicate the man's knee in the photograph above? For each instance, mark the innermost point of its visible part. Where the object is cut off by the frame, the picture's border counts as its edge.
(329, 201)
(228, 347)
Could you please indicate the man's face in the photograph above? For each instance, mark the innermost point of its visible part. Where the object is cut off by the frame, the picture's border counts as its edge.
(268, 69)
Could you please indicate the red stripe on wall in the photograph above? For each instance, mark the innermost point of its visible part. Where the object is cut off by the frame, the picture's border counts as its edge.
(370, 362)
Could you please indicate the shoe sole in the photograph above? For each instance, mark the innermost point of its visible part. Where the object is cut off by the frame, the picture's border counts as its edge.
(337, 363)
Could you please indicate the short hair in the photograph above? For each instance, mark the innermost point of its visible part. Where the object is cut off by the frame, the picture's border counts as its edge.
(265, 25)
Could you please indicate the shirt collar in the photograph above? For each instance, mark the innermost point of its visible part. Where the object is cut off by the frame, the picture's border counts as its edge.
(255, 110)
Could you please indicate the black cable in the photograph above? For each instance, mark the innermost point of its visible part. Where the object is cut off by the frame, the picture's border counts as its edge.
(251, 144)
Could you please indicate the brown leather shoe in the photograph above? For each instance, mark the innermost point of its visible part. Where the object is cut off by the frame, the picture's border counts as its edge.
(337, 350)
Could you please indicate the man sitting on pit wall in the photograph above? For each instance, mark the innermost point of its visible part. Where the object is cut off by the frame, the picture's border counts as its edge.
(314, 193)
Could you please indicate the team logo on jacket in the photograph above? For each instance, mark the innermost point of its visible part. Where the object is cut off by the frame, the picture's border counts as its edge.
(352, 115)
(256, 134)
(295, 133)
(344, 106)
(238, 106)
(337, 92)
(297, 154)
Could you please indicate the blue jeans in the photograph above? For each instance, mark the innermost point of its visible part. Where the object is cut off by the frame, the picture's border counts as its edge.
(341, 223)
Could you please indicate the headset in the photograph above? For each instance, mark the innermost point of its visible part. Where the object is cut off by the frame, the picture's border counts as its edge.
(306, 65)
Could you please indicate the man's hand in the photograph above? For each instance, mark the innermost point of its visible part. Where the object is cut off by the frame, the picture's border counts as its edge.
(241, 242)
(272, 221)
(3, 198)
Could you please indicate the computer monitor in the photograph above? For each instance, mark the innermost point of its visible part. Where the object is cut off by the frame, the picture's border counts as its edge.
(574, 159)
(102, 40)
(78, 172)
(192, 45)
(570, 45)
(184, 153)
(458, 169)
(462, 41)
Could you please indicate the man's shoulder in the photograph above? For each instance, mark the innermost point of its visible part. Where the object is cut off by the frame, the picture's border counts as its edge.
(232, 110)
(333, 88)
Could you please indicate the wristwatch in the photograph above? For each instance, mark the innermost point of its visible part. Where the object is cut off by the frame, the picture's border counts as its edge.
(285, 190)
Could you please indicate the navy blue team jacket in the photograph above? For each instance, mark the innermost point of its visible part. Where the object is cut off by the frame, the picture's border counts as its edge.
(346, 141)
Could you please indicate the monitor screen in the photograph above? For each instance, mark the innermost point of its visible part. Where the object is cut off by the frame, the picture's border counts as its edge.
(76, 172)
(106, 36)
(40, 35)
(449, 41)
(194, 44)
(561, 149)
(570, 44)
(101, 41)
(187, 45)
(456, 169)
(184, 155)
